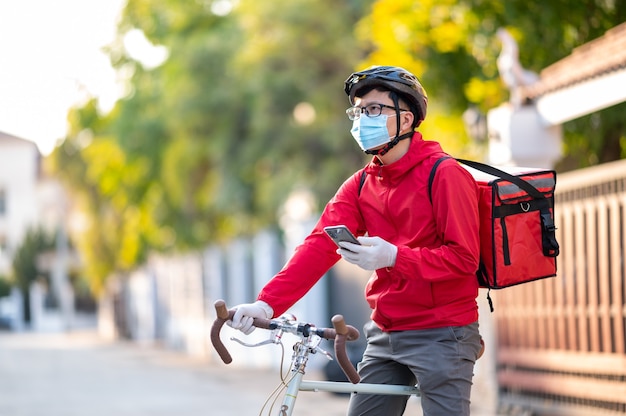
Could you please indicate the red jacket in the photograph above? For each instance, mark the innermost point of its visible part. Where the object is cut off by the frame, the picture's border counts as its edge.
(433, 283)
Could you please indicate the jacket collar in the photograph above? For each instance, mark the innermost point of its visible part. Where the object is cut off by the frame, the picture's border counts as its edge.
(419, 150)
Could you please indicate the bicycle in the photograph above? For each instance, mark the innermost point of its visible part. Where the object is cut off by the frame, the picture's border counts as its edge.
(310, 338)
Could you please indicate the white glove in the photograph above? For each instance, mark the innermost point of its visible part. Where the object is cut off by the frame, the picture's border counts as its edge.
(244, 316)
(373, 253)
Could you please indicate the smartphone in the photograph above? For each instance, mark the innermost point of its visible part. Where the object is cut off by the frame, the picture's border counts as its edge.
(340, 233)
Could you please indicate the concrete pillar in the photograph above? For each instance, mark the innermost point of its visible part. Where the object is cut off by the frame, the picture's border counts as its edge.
(238, 272)
(60, 281)
(37, 293)
(142, 308)
(266, 259)
(297, 221)
(214, 276)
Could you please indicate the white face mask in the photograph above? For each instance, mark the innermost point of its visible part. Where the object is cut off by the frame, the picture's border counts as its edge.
(370, 132)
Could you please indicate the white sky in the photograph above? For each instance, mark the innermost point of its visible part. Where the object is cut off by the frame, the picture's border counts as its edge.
(51, 56)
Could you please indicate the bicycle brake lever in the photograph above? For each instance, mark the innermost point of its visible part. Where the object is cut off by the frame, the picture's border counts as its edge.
(326, 354)
(258, 344)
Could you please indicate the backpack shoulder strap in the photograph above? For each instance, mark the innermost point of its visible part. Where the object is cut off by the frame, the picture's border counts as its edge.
(522, 184)
(362, 181)
(431, 177)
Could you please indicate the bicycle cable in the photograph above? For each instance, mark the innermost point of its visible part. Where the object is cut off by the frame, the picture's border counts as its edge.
(275, 394)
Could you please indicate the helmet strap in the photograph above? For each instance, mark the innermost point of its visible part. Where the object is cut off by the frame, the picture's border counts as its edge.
(396, 105)
(383, 150)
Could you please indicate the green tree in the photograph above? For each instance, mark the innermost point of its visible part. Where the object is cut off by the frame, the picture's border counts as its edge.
(229, 148)
(207, 145)
(451, 46)
(249, 105)
(24, 264)
(5, 286)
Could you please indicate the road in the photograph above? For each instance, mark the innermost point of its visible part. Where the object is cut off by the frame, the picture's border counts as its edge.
(78, 373)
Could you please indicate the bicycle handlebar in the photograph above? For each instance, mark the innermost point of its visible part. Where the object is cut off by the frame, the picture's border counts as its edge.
(340, 333)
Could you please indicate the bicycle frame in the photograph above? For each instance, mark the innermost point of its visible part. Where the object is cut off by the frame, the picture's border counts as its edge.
(310, 338)
(297, 384)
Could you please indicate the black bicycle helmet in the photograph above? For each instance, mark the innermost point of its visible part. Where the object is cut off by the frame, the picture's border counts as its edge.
(393, 78)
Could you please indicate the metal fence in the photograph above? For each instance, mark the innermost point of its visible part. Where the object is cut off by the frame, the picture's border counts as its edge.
(561, 347)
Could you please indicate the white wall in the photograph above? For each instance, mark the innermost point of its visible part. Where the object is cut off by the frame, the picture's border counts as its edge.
(19, 168)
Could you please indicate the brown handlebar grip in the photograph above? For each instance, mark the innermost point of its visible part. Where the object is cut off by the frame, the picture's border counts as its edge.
(340, 326)
(222, 316)
(345, 332)
(220, 308)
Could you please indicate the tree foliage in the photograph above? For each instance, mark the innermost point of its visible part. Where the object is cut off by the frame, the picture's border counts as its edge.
(24, 266)
(249, 105)
(452, 46)
(5, 286)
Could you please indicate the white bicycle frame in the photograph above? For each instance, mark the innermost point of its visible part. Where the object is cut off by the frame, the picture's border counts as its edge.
(310, 338)
(297, 383)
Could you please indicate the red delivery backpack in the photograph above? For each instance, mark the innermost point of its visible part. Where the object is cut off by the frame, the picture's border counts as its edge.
(517, 232)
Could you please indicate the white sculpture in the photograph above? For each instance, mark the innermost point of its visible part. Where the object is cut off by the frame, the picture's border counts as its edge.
(511, 71)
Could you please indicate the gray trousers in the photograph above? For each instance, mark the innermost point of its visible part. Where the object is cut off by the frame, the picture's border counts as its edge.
(440, 360)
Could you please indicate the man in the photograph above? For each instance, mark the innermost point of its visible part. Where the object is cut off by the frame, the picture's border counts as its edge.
(421, 241)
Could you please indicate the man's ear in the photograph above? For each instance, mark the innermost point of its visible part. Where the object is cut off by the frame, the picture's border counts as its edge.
(406, 118)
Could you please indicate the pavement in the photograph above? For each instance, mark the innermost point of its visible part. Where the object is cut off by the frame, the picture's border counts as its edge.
(79, 373)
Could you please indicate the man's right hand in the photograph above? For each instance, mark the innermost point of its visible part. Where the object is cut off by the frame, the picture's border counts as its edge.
(245, 313)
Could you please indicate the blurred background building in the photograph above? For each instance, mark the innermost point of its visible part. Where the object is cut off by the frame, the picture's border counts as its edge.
(31, 202)
(20, 176)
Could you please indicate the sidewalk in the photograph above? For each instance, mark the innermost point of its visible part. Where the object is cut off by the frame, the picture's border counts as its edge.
(80, 374)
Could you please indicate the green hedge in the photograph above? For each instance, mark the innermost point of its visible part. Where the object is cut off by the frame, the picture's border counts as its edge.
(5, 287)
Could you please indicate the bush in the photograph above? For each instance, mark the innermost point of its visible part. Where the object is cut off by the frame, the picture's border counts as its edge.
(5, 287)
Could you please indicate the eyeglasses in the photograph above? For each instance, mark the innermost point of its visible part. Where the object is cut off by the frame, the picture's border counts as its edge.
(371, 110)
